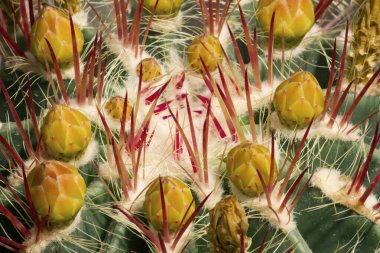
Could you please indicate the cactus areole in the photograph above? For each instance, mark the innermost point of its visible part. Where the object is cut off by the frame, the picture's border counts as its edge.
(293, 19)
(57, 190)
(54, 25)
(178, 202)
(245, 162)
(299, 99)
(66, 133)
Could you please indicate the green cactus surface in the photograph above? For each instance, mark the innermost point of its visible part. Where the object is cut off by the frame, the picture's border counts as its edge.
(191, 126)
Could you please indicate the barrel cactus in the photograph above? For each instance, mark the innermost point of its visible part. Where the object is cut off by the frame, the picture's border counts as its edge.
(189, 126)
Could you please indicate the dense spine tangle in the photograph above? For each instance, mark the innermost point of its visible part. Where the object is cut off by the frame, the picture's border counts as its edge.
(189, 126)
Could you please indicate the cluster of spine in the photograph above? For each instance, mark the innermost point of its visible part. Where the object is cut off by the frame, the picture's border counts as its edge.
(178, 147)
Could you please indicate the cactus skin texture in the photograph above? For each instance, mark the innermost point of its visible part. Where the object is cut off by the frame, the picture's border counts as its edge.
(294, 18)
(299, 99)
(73, 6)
(151, 70)
(209, 48)
(57, 191)
(66, 133)
(165, 8)
(227, 223)
(243, 162)
(115, 107)
(178, 197)
(365, 51)
(54, 25)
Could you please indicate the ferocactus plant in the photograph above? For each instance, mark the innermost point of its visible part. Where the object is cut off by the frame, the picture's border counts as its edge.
(115, 107)
(209, 49)
(293, 19)
(54, 25)
(66, 133)
(178, 199)
(165, 8)
(245, 162)
(57, 190)
(298, 100)
(228, 223)
(151, 70)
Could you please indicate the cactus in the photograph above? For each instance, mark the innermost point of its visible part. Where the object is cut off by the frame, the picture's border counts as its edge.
(194, 126)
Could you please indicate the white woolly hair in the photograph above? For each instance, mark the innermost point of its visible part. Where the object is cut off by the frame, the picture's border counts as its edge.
(47, 237)
(318, 129)
(335, 186)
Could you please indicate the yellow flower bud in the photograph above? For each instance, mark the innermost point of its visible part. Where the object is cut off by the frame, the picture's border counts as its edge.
(151, 70)
(115, 106)
(209, 48)
(66, 133)
(294, 18)
(165, 8)
(57, 190)
(54, 25)
(299, 99)
(178, 198)
(243, 162)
